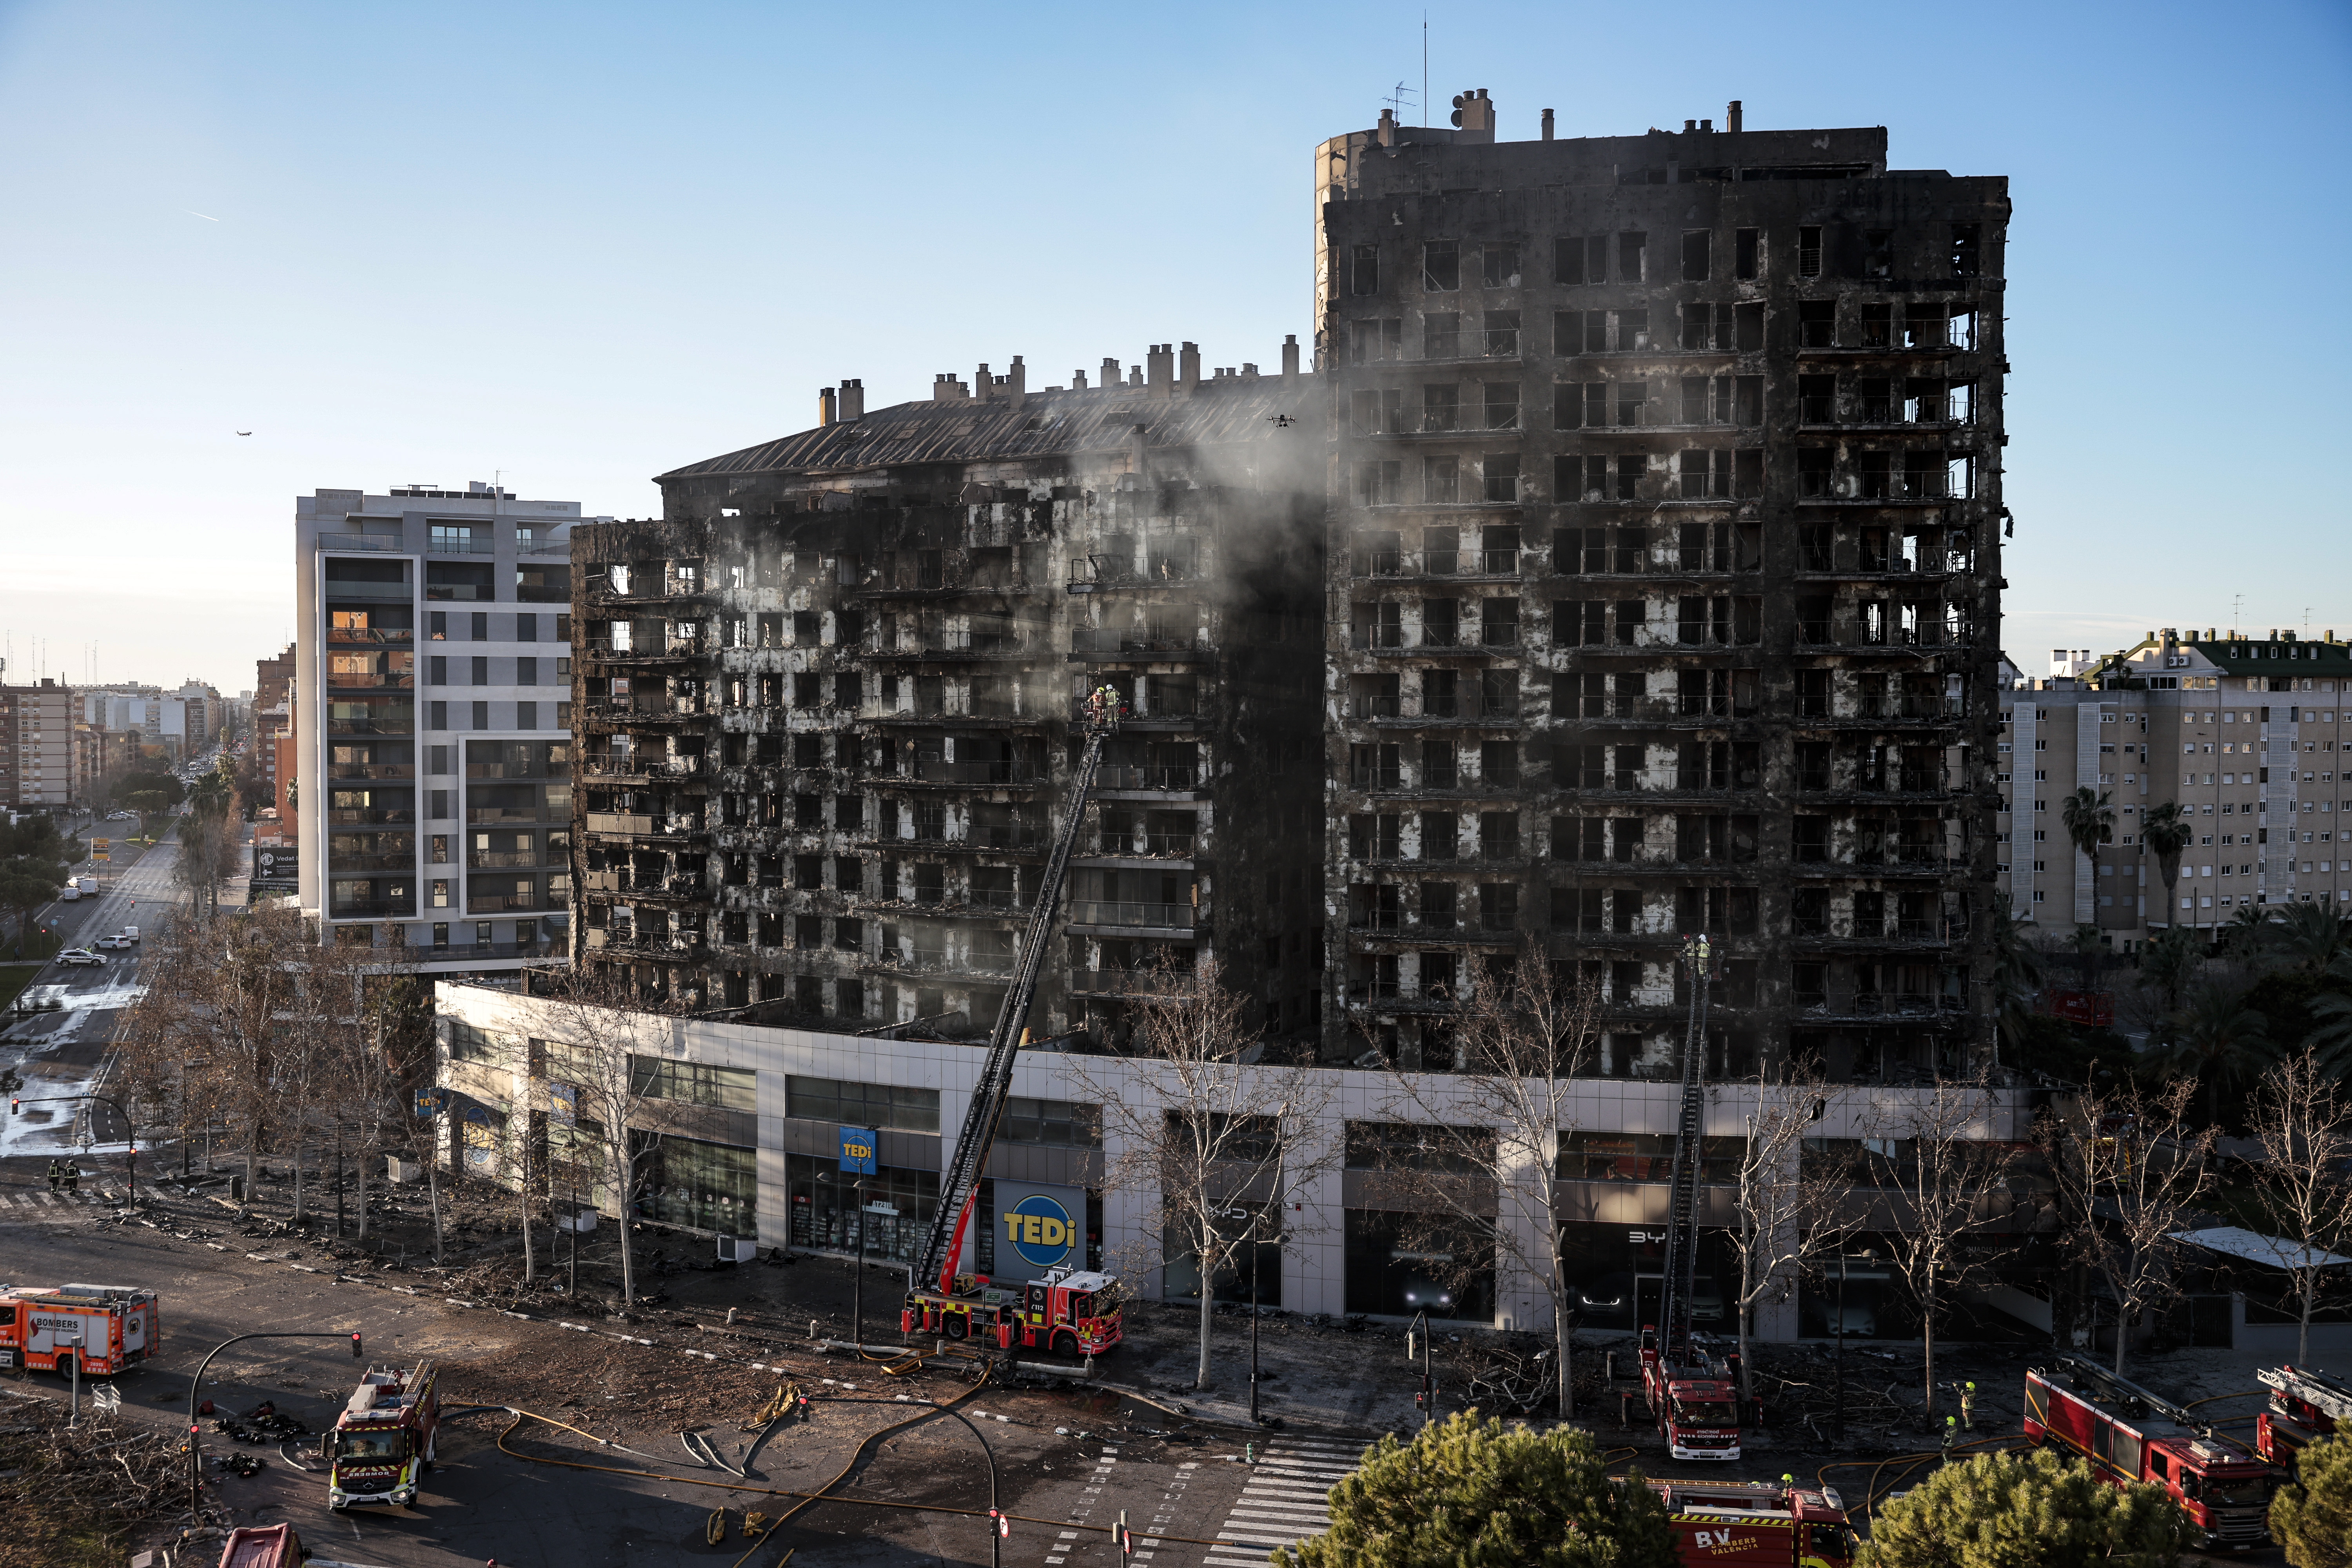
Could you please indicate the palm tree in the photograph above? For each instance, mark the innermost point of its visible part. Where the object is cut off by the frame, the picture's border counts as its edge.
(2311, 934)
(2243, 935)
(2166, 831)
(2170, 957)
(2090, 822)
(2218, 1037)
(2332, 1034)
(2016, 979)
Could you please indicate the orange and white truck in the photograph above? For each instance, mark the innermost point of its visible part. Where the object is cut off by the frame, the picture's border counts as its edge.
(383, 1442)
(1758, 1525)
(110, 1328)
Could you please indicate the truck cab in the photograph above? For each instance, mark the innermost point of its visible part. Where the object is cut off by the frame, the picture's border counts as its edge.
(1695, 1403)
(383, 1442)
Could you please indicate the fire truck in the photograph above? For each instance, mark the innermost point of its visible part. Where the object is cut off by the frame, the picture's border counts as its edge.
(2304, 1405)
(2131, 1435)
(383, 1442)
(1758, 1525)
(1693, 1398)
(113, 1328)
(263, 1546)
(1070, 1313)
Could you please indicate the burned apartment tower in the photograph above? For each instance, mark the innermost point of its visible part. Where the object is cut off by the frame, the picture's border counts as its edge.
(827, 704)
(1662, 596)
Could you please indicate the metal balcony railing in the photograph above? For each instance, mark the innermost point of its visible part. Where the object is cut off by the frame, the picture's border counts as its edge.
(1138, 640)
(1124, 913)
(1127, 982)
(987, 772)
(1151, 843)
(1119, 776)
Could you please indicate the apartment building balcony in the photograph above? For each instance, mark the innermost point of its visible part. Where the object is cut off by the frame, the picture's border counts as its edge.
(1138, 644)
(1469, 708)
(1912, 487)
(1659, 713)
(670, 947)
(667, 651)
(1110, 575)
(1175, 779)
(936, 960)
(359, 771)
(1137, 982)
(1138, 846)
(995, 774)
(648, 712)
(1860, 1007)
(942, 579)
(370, 636)
(643, 769)
(1886, 865)
(968, 650)
(674, 828)
(1123, 916)
(680, 593)
(1454, 565)
(485, 951)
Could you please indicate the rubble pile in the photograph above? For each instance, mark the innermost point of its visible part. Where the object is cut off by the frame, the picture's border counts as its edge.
(75, 1494)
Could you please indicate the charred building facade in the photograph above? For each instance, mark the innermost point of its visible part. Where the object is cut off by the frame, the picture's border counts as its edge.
(1664, 552)
(827, 703)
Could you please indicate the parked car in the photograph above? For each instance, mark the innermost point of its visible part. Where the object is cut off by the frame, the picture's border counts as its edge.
(80, 955)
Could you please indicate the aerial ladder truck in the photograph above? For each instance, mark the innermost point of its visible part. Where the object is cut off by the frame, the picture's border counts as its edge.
(1070, 1312)
(1694, 1402)
(2304, 1406)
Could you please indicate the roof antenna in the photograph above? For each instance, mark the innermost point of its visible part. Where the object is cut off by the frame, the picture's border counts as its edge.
(1396, 101)
(1424, 68)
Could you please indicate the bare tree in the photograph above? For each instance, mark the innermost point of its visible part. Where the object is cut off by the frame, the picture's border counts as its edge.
(598, 1046)
(1219, 1138)
(1791, 1210)
(2128, 1167)
(2303, 1119)
(1953, 1182)
(1490, 1130)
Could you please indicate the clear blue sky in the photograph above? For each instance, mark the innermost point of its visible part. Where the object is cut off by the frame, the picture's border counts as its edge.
(582, 244)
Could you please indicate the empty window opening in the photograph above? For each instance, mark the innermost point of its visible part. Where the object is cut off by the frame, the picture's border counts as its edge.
(1441, 265)
(1747, 260)
(1695, 256)
(1809, 251)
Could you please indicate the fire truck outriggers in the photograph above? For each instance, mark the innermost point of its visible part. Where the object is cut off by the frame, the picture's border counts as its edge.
(2304, 1405)
(2130, 1433)
(113, 1328)
(1758, 1525)
(383, 1442)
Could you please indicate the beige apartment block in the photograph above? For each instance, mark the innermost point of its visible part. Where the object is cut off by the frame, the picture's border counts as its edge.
(2242, 731)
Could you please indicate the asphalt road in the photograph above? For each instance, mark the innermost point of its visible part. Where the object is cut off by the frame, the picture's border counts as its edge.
(480, 1503)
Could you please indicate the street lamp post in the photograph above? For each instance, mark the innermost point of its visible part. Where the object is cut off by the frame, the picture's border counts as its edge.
(196, 1381)
(73, 1416)
(1841, 1347)
(858, 1283)
(1254, 1218)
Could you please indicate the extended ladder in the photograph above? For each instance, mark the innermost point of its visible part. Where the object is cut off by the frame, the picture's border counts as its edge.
(1682, 1201)
(935, 1264)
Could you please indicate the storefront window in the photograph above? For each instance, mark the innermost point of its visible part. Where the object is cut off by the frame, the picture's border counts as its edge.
(1400, 1264)
(1181, 1276)
(710, 1186)
(1644, 1157)
(825, 1207)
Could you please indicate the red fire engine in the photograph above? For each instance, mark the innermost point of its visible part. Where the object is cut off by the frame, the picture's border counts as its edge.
(113, 1328)
(2304, 1405)
(383, 1442)
(1070, 1313)
(263, 1546)
(2132, 1435)
(1758, 1525)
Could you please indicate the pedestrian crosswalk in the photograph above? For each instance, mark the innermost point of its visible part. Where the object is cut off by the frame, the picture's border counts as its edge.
(104, 1195)
(1286, 1497)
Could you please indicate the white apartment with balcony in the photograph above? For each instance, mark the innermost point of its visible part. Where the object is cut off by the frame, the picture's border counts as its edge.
(434, 693)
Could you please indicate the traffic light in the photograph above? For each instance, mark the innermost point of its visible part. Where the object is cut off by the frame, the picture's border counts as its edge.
(355, 1347)
(1003, 1525)
(15, 1106)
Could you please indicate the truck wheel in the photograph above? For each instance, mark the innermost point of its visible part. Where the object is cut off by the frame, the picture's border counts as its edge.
(958, 1325)
(65, 1367)
(1065, 1344)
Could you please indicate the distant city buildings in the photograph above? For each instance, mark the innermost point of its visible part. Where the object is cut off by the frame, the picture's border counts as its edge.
(2241, 731)
(36, 746)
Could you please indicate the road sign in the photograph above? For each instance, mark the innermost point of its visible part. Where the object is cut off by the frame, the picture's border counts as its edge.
(99, 848)
(857, 1144)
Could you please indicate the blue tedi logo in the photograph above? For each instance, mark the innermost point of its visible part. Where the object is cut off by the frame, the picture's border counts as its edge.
(1040, 1231)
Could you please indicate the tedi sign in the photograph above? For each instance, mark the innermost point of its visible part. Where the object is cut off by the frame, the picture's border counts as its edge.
(1039, 1227)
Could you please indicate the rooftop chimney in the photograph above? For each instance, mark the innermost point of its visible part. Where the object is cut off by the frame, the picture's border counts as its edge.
(1016, 382)
(1547, 130)
(1731, 115)
(1078, 381)
(946, 388)
(1159, 365)
(1387, 131)
(853, 399)
(1110, 376)
(825, 416)
(1188, 367)
(1290, 356)
(983, 385)
(1473, 116)
(1135, 375)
